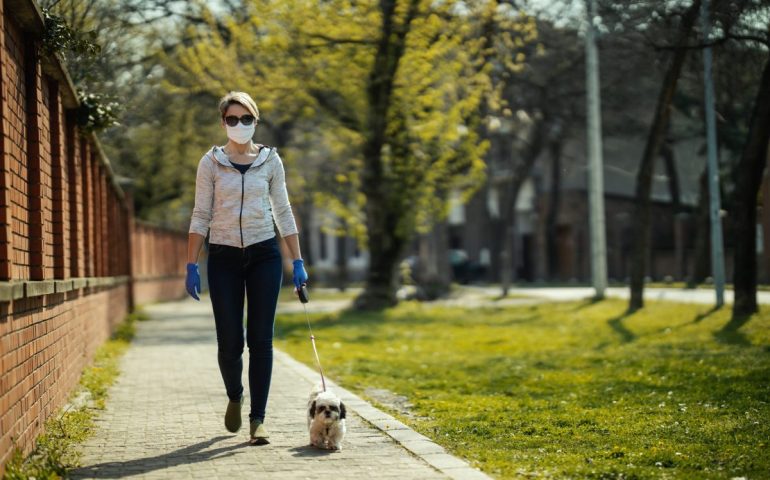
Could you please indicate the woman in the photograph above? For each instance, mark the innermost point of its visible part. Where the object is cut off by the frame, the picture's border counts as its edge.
(238, 187)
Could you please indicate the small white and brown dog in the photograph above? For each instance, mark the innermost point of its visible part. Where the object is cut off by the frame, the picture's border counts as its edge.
(325, 419)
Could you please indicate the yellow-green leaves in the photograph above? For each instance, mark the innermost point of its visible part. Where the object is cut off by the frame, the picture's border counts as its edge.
(308, 65)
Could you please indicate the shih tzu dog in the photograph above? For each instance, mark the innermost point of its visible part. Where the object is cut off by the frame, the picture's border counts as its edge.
(325, 419)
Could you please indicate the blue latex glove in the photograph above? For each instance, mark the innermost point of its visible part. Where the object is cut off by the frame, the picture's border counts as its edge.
(300, 275)
(193, 281)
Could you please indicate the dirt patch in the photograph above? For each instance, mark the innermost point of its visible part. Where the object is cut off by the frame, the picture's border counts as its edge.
(392, 400)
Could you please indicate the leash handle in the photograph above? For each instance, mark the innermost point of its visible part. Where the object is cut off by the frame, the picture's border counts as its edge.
(304, 297)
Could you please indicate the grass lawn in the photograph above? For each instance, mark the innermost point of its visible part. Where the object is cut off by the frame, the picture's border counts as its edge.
(287, 294)
(563, 390)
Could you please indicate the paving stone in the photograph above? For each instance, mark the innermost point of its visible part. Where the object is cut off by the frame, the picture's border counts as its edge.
(164, 418)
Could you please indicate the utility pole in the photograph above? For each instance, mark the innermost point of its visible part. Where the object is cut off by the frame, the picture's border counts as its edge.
(717, 249)
(595, 163)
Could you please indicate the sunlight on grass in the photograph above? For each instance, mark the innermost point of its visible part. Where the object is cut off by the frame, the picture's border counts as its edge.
(288, 295)
(574, 389)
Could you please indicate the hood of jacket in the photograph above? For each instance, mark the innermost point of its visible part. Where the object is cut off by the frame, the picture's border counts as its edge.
(218, 153)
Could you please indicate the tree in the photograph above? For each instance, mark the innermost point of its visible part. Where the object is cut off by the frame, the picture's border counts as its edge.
(750, 168)
(544, 95)
(655, 140)
(398, 81)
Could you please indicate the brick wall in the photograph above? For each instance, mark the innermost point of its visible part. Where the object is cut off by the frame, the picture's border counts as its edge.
(73, 261)
(159, 256)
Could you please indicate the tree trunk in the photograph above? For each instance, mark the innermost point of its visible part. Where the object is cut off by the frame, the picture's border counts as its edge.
(507, 233)
(750, 168)
(434, 274)
(669, 160)
(641, 249)
(677, 217)
(553, 211)
(342, 259)
(385, 236)
(764, 276)
(304, 213)
(386, 250)
(701, 264)
(506, 227)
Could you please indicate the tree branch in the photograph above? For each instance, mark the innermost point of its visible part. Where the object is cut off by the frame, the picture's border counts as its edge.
(714, 43)
(335, 41)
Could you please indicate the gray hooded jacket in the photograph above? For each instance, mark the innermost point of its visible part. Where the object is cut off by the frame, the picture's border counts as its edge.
(239, 208)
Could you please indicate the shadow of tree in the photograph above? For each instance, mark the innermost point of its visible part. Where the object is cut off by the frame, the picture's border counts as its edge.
(703, 315)
(729, 333)
(191, 454)
(626, 335)
(587, 303)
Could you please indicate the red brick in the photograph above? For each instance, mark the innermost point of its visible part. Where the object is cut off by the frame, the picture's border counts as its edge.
(61, 217)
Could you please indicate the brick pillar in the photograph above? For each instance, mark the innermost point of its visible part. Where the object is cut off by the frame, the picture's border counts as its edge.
(104, 198)
(45, 99)
(102, 210)
(34, 137)
(75, 191)
(59, 181)
(5, 176)
(105, 233)
(86, 199)
(98, 204)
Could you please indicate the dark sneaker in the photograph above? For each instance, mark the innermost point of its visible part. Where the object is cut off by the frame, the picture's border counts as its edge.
(233, 416)
(258, 433)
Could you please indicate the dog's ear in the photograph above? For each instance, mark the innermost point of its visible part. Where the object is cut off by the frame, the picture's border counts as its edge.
(342, 410)
(311, 412)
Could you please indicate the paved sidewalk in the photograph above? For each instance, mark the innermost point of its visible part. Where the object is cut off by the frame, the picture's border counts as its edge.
(164, 418)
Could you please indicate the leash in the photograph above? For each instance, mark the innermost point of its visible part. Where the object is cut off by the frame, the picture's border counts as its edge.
(304, 298)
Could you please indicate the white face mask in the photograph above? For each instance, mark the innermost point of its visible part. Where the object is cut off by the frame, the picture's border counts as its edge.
(240, 133)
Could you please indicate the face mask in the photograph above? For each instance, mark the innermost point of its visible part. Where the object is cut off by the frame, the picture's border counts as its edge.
(240, 133)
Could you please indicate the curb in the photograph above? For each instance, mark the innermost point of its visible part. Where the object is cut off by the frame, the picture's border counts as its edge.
(417, 444)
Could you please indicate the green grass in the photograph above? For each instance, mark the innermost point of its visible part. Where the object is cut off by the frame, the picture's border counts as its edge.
(287, 294)
(55, 450)
(564, 390)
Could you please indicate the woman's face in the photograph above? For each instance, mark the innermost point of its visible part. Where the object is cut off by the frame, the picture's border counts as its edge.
(235, 109)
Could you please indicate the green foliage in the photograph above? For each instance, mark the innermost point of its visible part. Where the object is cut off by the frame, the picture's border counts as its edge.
(55, 450)
(160, 151)
(563, 390)
(60, 37)
(96, 111)
(309, 65)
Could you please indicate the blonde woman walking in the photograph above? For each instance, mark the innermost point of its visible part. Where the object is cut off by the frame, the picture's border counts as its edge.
(240, 188)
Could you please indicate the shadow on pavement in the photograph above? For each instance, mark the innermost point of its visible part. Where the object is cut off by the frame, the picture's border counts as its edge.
(187, 455)
(310, 451)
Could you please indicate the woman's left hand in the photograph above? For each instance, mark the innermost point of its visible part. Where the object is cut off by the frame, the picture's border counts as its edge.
(300, 275)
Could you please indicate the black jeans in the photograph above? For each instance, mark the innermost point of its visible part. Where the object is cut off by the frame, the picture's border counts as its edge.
(256, 270)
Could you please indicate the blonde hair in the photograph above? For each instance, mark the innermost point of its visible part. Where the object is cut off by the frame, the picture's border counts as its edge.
(241, 98)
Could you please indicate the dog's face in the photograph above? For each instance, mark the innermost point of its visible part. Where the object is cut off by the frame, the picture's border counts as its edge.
(327, 408)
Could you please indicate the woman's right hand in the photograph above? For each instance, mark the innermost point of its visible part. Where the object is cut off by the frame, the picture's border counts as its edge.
(300, 275)
(193, 280)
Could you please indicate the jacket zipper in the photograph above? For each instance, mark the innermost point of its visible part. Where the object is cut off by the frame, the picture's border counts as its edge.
(240, 215)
